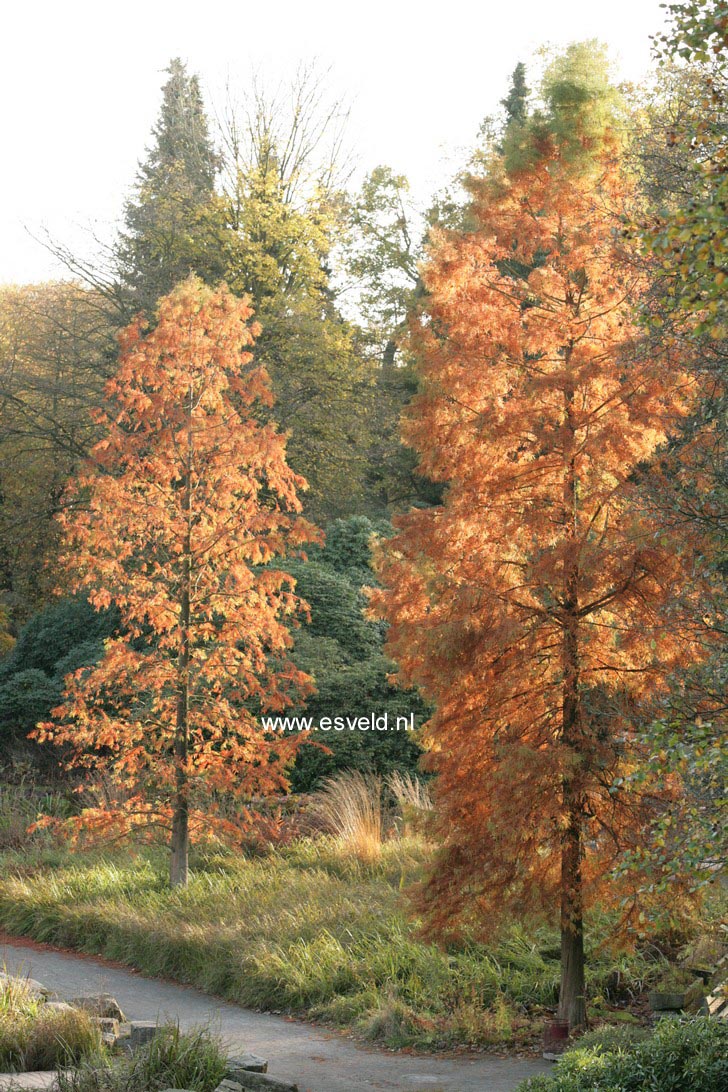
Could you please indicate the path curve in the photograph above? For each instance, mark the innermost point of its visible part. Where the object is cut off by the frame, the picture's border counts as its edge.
(317, 1059)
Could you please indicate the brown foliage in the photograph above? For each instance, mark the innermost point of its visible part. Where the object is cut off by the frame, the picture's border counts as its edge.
(177, 519)
(535, 605)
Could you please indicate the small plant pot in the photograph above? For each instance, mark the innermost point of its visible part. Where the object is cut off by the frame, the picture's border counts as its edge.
(665, 1002)
(555, 1038)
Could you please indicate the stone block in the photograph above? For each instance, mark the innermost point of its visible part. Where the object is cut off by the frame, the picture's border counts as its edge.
(101, 1004)
(141, 1032)
(35, 989)
(249, 1063)
(246, 1081)
(108, 1025)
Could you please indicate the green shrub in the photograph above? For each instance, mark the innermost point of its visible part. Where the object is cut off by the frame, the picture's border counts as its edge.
(60, 638)
(681, 1056)
(26, 698)
(53, 632)
(607, 1040)
(347, 547)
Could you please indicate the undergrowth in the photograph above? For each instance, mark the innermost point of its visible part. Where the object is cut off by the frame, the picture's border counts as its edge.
(34, 1036)
(309, 930)
(193, 1060)
(682, 1055)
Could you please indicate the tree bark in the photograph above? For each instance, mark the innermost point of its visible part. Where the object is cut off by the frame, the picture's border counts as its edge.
(572, 998)
(180, 839)
(572, 995)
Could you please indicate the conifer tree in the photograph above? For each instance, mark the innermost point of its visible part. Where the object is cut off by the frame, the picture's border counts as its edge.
(284, 212)
(535, 606)
(178, 519)
(174, 223)
(515, 103)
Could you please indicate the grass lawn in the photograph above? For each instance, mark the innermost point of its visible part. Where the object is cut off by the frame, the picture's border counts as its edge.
(307, 930)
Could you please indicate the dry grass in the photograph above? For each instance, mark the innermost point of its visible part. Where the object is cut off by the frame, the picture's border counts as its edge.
(409, 791)
(413, 801)
(350, 808)
(33, 1036)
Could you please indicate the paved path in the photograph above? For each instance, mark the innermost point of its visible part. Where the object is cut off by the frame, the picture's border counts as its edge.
(317, 1059)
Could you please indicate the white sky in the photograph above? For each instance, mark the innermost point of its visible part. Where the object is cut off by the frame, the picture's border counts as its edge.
(80, 85)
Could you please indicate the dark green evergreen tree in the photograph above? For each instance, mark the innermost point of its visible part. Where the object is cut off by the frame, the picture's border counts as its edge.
(515, 103)
(174, 223)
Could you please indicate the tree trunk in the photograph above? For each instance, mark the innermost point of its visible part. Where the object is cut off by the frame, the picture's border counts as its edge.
(572, 995)
(180, 841)
(572, 1003)
(572, 999)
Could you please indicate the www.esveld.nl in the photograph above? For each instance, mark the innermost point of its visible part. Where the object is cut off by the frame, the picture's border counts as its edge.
(373, 722)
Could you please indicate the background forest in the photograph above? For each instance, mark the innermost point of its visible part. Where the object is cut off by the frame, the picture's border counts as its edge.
(367, 306)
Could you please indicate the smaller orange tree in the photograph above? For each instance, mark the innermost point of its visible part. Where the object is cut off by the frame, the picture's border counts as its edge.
(177, 518)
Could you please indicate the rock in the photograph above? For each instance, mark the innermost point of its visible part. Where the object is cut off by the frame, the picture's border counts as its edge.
(38, 1081)
(248, 1063)
(102, 1004)
(58, 1006)
(36, 989)
(247, 1081)
(108, 1025)
(141, 1032)
(664, 1001)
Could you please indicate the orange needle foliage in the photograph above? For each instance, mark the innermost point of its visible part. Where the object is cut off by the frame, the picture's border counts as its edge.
(535, 605)
(185, 503)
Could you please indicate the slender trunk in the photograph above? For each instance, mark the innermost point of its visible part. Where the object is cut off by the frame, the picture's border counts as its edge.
(572, 996)
(180, 839)
(572, 999)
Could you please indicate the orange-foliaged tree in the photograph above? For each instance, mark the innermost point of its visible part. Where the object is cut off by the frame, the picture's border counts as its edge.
(535, 606)
(178, 518)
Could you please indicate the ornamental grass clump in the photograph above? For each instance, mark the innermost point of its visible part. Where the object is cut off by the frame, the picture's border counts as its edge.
(350, 808)
(34, 1036)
